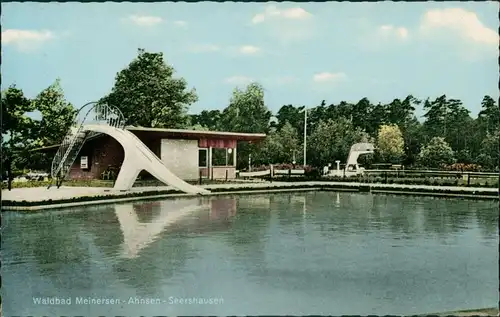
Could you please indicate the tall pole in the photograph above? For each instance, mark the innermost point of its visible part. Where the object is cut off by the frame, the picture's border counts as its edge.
(305, 135)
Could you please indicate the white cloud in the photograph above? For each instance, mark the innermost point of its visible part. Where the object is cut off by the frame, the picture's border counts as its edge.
(389, 30)
(238, 80)
(286, 25)
(326, 77)
(145, 20)
(204, 48)
(464, 23)
(272, 12)
(378, 38)
(249, 49)
(26, 40)
(232, 50)
(180, 23)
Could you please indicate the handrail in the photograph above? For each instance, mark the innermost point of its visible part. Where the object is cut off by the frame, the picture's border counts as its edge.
(73, 140)
(431, 172)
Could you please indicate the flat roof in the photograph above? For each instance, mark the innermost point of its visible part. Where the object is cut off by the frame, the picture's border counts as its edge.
(200, 134)
(181, 133)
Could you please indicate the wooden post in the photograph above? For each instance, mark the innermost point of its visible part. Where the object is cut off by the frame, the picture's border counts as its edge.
(200, 177)
(226, 175)
(289, 173)
(468, 179)
(9, 174)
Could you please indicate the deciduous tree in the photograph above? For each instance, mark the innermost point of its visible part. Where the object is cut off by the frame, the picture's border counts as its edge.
(57, 114)
(248, 113)
(149, 95)
(281, 146)
(489, 156)
(18, 130)
(436, 153)
(207, 118)
(332, 140)
(390, 143)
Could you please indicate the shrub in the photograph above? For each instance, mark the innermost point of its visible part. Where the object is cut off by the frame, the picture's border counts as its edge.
(463, 167)
(284, 166)
(260, 168)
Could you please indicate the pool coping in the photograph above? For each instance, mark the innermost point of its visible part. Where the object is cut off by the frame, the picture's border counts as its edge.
(139, 194)
(492, 311)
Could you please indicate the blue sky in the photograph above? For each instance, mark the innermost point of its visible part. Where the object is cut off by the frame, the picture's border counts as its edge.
(302, 53)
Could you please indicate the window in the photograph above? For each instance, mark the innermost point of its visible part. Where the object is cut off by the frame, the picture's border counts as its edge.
(230, 157)
(203, 157)
(219, 157)
(222, 157)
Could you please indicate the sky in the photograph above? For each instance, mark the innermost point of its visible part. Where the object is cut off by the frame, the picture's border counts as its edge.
(302, 53)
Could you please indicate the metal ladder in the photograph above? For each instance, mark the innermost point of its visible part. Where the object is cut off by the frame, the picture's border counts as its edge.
(67, 154)
(75, 138)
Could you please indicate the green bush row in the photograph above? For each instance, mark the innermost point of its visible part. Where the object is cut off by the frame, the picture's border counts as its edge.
(103, 183)
(74, 183)
(391, 180)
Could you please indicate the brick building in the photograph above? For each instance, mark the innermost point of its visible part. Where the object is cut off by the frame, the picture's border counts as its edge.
(187, 153)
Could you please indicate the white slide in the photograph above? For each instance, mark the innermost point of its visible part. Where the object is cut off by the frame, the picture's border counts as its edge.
(139, 157)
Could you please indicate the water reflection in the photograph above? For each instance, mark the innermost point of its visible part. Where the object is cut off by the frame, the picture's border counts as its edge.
(138, 235)
(355, 222)
(126, 238)
(297, 253)
(160, 248)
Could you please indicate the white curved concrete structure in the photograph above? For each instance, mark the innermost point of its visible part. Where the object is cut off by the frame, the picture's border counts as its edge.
(137, 235)
(352, 167)
(357, 150)
(139, 157)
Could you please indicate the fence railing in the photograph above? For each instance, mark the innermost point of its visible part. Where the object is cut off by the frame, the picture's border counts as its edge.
(387, 175)
(91, 113)
(431, 173)
(271, 173)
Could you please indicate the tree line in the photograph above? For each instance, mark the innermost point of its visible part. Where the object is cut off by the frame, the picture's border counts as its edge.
(150, 95)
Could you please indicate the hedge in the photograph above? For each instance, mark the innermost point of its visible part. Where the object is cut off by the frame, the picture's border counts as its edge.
(104, 183)
(389, 180)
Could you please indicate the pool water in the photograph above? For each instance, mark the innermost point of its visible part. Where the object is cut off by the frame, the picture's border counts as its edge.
(281, 254)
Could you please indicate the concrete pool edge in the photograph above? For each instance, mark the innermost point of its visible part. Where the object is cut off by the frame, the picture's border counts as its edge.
(147, 197)
(492, 311)
(104, 196)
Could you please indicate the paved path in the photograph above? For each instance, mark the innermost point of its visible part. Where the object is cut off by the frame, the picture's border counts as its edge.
(68, 192)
